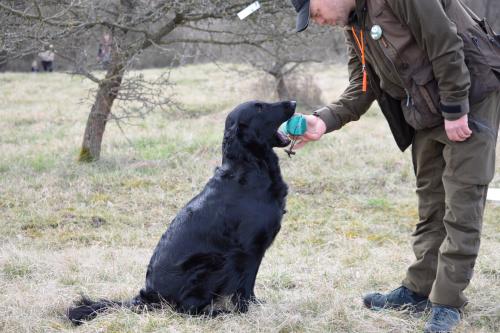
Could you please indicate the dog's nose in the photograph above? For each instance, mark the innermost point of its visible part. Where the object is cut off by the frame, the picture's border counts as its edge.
(293, 105)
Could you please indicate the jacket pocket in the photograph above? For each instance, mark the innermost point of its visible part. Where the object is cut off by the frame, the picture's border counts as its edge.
(419, 120)
(421, 108)
(425, 91)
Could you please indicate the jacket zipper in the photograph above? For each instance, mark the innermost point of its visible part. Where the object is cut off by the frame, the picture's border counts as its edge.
(409, 99)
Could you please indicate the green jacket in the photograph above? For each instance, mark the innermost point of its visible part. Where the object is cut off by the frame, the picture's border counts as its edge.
(434, 59)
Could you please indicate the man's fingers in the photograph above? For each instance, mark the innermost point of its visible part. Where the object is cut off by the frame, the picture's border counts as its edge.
(299, 144)
(452, 134)
(312, 136)
(458, 130)
(458, 135)
(464, 133)
(315, 130)
(468, 130)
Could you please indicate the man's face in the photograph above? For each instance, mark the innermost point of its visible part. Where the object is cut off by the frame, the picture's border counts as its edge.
(331, 12)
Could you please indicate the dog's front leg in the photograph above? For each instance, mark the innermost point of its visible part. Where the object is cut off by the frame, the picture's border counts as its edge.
(245, 293)
(241, 300)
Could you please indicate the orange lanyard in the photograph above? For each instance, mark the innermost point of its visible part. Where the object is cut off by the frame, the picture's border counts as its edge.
(361, 45)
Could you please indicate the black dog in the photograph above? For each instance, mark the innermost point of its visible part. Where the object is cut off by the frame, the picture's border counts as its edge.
(216, 243)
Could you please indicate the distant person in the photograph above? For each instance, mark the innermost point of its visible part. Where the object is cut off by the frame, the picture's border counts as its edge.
(434, 68)
(47, 58)
(34, 66)
(104, 52)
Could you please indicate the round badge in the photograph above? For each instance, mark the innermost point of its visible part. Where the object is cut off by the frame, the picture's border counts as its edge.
(376, 32)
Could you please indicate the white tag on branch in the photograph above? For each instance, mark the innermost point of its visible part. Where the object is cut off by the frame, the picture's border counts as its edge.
(494, 194)
(249, 10)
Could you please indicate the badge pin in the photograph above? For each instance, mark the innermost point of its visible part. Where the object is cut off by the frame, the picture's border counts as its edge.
(376, 32)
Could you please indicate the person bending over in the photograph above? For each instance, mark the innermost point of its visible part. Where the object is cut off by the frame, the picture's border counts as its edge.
(434, 69)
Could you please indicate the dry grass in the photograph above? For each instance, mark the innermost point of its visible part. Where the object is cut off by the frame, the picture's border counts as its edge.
(67, 228)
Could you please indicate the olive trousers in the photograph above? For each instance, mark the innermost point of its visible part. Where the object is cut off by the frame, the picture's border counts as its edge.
(452, 183)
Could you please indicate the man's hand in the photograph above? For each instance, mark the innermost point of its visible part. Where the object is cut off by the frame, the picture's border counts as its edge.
(315, 130)
(457, 130)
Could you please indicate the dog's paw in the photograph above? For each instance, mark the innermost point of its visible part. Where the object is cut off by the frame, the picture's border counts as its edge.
(258, 301)
(242, 307)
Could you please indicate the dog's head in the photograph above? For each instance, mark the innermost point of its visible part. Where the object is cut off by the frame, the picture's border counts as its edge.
(253, 126)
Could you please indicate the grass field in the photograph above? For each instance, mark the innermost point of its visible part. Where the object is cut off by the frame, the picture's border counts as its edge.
(68, 228)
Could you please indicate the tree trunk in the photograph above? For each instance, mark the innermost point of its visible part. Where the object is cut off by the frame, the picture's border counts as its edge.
(3, 59)
(96, 124)
(283, 93)
(277, 72)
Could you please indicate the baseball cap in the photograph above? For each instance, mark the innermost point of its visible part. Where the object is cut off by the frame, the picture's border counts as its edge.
(302, 9)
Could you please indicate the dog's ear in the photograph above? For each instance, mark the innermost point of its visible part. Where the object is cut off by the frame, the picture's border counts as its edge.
(251, 140)
(242, 141)
(231, 147)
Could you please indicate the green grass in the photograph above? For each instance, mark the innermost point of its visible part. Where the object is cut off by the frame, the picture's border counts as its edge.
(42, 163)
(68, 228)
(14, 270)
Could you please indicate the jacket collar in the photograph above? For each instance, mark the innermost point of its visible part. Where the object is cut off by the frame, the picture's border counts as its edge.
(357, 17)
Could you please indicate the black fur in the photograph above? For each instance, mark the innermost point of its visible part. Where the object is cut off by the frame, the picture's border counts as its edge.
(215, 245)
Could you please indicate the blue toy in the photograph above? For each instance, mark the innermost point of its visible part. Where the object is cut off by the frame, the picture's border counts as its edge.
(295, 126)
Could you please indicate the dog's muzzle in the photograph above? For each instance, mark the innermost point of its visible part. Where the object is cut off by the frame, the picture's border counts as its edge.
(282, 138)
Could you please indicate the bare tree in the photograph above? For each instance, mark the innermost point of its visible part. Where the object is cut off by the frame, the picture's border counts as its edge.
(267, 41)
(285, 51)
(134, 26)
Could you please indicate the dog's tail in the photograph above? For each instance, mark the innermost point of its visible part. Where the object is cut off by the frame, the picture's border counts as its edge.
(85, 309)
